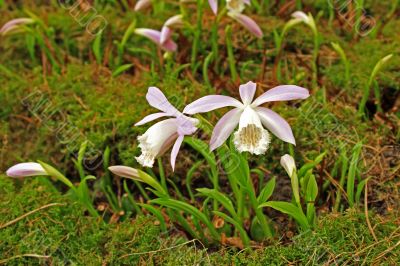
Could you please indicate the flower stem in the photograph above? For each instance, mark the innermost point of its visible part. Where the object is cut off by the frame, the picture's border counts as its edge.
(231, 57)
(258, 211)
(162, 174)
(197, 34)
(315, 60)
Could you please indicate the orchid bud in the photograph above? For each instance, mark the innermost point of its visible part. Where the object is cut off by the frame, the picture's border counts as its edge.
(288, 163)
(26, 169)
(125, 171)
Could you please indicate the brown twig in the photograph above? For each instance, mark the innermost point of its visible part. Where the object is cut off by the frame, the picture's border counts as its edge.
(24, 255)
(29, 213)
(366, 212)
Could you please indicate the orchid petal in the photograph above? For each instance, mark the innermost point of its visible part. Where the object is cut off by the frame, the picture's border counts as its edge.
(169, 46)
(211, 102)
(142, 4)
(247, 2)
(175, 150)
(214, 5)
(150, 118)
(166, 33)
(282, 93)
(157, 99)
(223, 129)
(174, 20)
(26, 169)
(248, 23)
(155, 36)
(247, 92)
(276, 124)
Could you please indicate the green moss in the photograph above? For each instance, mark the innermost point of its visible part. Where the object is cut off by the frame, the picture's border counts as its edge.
(67, 236)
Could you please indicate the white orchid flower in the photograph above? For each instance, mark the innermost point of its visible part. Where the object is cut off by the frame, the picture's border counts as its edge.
(160, 137)
(251, 117)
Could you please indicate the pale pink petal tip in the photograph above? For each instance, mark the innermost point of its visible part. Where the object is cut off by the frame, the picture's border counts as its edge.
(14, 24)
(175, 150)
(156, 98)
(247, 92)
(248, 23)
(26, 169)
(276, 124)
(142, 4)
(300, 15)
(282, 93)
(214, 5)
(124, 171)
(209, 103)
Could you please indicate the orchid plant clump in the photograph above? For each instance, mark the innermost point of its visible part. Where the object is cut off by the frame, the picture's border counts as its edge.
(297, 18)
(251, 137)
(79, 192)
(238, 216)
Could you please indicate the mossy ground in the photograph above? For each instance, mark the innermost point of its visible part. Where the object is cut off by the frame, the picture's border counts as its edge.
(63, 235)
(47, 115)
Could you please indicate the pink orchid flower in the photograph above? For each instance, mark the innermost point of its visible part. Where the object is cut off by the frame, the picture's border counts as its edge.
(166, 30)
(235, 9)
(160, 136)
(251, 117)
(155, 36)
(163, 38)
(26, 169)
(14, 25)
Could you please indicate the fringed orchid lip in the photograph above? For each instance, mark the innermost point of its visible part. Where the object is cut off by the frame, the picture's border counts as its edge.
(236, 5)
(253, 120)
(152, 141)
(251, 136)
(160, 137)
(231, 5)
(26, 169)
